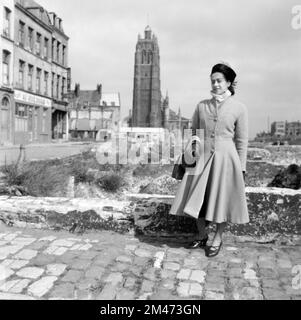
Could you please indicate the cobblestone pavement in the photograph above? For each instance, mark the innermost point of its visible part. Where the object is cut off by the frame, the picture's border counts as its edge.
(48, 265)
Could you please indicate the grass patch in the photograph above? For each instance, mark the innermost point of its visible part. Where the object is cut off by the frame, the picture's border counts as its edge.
(50, 178)
(111, 182)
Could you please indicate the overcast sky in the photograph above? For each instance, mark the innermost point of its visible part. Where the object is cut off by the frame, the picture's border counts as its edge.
(255, 37)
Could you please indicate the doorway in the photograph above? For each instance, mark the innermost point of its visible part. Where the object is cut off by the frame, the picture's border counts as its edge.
(4, 120)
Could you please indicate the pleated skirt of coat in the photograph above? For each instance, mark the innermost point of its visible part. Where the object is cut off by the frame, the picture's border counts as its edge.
(215, 189)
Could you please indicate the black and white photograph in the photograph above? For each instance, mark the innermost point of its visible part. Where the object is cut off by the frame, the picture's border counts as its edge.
(150, 152)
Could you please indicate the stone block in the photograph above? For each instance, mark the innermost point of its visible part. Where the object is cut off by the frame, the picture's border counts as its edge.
(184, 274)
(124, 259)
(130, 283)
(196, 290)
(15, 286)
(63, 291)
(14, 264)
(143, 253)
(56, 269)
(150, 274)
(26, 254)
(183, 289)
(212, 295)
(42, 286)
(147, 286)
(30, 272)
(198, 276)
(80, 264)
(109, 292)
(114, 278)
(248, 293)
(95, 272)
(171, 266)
(72, 276)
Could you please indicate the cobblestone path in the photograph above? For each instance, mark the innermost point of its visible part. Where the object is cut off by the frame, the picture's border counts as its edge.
(36, 264)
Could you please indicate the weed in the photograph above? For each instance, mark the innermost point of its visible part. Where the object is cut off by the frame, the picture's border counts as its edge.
(111, 182)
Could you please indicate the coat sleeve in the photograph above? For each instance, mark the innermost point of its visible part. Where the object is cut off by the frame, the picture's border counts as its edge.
(241, 137)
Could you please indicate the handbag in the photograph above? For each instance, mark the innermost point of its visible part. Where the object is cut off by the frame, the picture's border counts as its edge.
(180, 166)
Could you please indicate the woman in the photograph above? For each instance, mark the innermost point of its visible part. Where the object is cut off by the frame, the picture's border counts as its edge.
(214, 191)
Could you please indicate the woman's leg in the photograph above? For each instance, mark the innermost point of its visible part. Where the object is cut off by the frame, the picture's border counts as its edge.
(218, 238)
(201, 224)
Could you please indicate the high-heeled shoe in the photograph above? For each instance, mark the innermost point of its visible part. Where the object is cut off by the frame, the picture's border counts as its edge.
(213, 251)
(198, 243)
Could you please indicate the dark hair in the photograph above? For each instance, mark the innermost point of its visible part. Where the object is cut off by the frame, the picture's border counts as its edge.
(228, 73)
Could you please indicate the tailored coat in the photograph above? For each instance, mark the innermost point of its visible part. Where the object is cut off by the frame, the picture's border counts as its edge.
(215, 188)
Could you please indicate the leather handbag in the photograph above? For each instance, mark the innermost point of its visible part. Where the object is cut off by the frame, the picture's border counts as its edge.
(180, 166)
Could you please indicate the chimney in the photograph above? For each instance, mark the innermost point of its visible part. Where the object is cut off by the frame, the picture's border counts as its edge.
(99, 89)
(77, 89)
(53, 14)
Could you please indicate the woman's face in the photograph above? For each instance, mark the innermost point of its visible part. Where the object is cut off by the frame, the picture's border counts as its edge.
(219, 84)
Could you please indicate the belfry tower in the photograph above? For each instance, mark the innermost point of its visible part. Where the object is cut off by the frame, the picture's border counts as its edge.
(147, 87)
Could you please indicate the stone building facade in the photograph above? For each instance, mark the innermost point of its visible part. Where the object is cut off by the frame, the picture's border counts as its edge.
(147, 87)
(34, 74)
(6, 71)
(61, 79)
(94, 115)
(150, 109)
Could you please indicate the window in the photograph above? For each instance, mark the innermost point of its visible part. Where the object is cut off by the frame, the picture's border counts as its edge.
(21, 110)
(143, 57)
(5, 103)
(46, 44)
(38, 44)
(30, 38)
(58, 86)
(63, 87)
(21, 33)
(53, 48)
(5, 67)
(6, 25)
(21, 73)
(150, 57)
(64, 56)
(52, 85)
(46, 77)
(21, 123)
(36, 123)
(38, 81)
(44, 118)
(30, 77)
(58, 48)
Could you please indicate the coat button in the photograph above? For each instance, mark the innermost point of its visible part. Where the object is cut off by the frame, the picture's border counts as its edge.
(215, 119)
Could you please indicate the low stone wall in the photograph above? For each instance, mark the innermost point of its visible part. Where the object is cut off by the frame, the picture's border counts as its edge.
(271, 211)
(75, 215)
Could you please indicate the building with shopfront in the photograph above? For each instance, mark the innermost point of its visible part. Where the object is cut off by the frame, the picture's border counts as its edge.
(6, 71)
(61, 79)
(40, 75)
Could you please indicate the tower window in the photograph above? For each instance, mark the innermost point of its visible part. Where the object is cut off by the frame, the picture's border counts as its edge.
(143, 57)
(150, 57)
